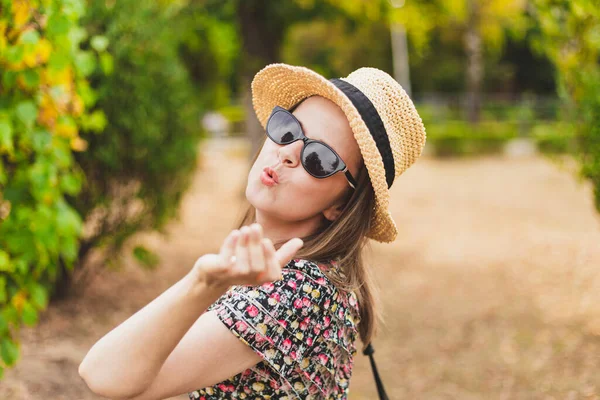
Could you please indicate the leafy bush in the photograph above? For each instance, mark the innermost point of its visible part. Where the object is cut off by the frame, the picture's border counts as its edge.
(139, 166)
(43, 95)
(459, 138)
(553, 138)
(568, 35)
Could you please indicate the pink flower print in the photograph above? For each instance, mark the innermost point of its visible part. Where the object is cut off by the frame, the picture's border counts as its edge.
(268, 286)
(299, 276)
(317, 329)
(352, 300)
(309, 341)
(313, 389)
(291, 283)
(252, 311)
(259, 338)
(326, 321)
(303, 325)
(283, 322)
(321, 281)
(230, 388)
(306, 301)
(274, 384)
(340, 333)
(287, 343)
(327, 334)
(326, 304)
(317, 380)
(222, 386)
(276, 296)
(298, 303)
(241, 326)
(323, 358)
(293, 354)
(341, 313)
(228, 321)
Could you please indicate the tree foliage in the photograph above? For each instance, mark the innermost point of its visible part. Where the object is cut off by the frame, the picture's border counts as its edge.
(569, 33)
(43, 98)
(138, 167)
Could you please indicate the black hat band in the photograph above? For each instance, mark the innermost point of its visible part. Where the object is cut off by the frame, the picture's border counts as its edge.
(371, 117)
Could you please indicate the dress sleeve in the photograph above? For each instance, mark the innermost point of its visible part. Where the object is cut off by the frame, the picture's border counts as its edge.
(300, 325)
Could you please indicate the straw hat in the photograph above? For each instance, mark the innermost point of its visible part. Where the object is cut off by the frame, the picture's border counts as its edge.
(385, 123)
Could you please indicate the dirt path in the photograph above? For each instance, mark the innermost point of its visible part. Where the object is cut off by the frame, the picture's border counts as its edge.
(492, 290)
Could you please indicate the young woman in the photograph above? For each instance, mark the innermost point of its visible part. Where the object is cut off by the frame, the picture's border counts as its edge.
(277, 313)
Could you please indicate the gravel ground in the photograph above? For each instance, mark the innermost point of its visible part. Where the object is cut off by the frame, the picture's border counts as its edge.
(491, 290)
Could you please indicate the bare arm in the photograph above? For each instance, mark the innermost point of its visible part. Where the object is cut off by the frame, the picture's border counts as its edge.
(146, 358)
(127, 359)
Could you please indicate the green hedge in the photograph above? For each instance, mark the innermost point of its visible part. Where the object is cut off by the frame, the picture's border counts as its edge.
(459, 138)
(43, 94)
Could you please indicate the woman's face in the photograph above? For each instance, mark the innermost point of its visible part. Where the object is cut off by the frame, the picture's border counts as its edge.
(299, 196)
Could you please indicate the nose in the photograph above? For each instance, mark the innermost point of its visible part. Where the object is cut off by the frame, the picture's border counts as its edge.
(289, 155)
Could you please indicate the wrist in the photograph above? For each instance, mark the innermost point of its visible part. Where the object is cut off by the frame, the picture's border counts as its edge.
(199, 286)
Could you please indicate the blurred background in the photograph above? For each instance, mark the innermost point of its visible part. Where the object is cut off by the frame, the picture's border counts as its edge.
(126, 130)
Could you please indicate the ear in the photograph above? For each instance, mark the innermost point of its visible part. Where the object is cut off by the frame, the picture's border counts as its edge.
(333, 212)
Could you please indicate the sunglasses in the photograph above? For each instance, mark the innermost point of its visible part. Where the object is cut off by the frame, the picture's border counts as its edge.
(317, 158)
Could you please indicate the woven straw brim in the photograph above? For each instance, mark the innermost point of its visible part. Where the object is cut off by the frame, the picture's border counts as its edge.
(285, 85)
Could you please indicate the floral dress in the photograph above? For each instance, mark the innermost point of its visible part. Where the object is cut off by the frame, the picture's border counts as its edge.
(304, 329)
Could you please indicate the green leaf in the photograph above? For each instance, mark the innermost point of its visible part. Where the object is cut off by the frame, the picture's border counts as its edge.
(30, 315)
(107, 63)
(30, 37)
(77, 34)
(70, 184)
(14, 54)
(5, 264)
(9, 79)
(68, 221)
(26, 111)
(85, 62)
(3, 297)
(69, 249)
(9, 351)
(58, 60)
(41, 140)
(6, 143)
(58, 24)
(99, 43)
(39, 296)
(147, 258)
(31, 77)
(95, 122)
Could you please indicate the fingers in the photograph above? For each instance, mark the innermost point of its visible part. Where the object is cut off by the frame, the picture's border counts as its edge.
(228, 248)
(273, 268)
(241, 251)
(288, 249)
(257, 259)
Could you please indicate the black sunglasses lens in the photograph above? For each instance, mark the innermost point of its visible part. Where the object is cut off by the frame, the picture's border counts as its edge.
(282, 128)
(319, 160)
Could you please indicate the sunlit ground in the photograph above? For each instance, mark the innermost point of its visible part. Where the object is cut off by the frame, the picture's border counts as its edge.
(491, 290)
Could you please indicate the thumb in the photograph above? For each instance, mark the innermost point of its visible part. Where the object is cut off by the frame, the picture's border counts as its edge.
(288, 249)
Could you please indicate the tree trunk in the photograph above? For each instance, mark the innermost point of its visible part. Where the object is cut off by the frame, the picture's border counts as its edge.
(474, 51)
(261, 40)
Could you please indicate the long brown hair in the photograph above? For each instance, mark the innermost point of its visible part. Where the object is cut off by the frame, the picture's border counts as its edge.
(325, 246)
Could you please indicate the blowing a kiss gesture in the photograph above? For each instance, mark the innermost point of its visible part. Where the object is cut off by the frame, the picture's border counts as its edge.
(245, 258)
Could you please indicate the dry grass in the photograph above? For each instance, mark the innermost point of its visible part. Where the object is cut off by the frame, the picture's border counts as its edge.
(491, 291)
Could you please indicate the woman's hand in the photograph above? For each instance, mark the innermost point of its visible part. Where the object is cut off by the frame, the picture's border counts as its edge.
(245, 258)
